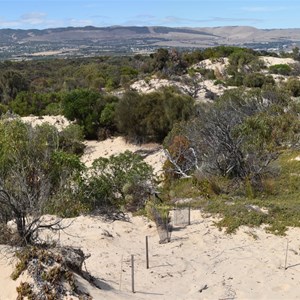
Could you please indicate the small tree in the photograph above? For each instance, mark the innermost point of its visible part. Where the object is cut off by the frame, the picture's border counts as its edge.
(85, 107)
(239, 135)
(11, 83)
(181, 158)
(293, 86)
(32, 172)
(150, 117)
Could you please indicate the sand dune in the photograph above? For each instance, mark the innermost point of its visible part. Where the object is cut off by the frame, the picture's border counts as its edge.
(117, 145)
(113, 146)
(59, 121)
(271, 61)
(200, 262)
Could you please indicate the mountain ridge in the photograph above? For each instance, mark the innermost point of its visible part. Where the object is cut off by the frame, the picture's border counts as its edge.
(154, 31)
(127, 39)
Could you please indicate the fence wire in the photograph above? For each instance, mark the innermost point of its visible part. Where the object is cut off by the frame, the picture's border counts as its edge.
(164, 228)
(181, 216)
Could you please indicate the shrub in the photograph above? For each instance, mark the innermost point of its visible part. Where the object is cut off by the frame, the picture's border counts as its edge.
(282, 69)
(85, 107)
(257, 80)
(27, 103)
(33, 171)
(71, 139)
(150, 117)
(293, 85)
(123, 180)
(240, 60)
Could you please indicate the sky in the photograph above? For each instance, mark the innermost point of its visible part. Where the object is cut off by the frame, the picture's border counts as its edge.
(173, 13)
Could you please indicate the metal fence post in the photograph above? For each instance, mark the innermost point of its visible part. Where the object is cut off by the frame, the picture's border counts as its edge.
(147, 253)
(132, 273)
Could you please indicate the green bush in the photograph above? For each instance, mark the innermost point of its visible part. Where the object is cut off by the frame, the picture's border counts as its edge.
(85, 107)
(206, 73)
(257, 80)
(123, 180)
(33, 171)
(150, 117)
(235, 80)
(293, 86)
(27, 103)
(282, 69)
(71, 139)
(241, 60)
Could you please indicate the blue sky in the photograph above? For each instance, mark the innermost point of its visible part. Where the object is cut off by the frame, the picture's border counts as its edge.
(174, 13)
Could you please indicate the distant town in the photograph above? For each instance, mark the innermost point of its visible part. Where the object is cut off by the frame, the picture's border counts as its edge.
(91, 41)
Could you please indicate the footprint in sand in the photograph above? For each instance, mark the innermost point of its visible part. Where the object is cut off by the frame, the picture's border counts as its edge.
(281, 288)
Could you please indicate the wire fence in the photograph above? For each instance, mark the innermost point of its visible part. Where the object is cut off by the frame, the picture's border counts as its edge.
(181, 216)
(163, 225)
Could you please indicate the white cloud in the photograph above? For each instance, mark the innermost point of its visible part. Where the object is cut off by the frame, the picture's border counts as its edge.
(265, 9)
(148, 20)
(78, 23)
(9, 24)
(40, 20)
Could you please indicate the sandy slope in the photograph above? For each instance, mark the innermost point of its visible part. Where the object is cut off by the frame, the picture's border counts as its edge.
(217, 65)
(112, 146)
(59, 121)
(270, 61)
(198, 257)
(247, 265)
(117, 145)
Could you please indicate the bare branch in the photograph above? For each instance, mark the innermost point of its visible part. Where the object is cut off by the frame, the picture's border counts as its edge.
(177, 170)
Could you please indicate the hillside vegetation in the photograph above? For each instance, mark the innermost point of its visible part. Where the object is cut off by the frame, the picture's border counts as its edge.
(228, 119)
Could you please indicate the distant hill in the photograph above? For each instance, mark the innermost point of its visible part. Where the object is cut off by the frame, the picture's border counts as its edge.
(89, 40)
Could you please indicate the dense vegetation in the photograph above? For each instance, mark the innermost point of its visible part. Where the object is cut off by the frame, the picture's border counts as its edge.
(234, 149)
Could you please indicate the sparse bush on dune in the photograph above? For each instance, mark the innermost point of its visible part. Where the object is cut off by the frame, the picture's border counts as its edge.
(52, 271)
(121, 181)
(33, 170)
(237, 136)
(240, 134)
(150, 117)
(282, 69)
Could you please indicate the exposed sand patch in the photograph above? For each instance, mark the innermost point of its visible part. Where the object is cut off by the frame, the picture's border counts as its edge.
(246, 265)
(117, 145)
(108, 147)
(59, 121)
(218, 65)
(201, 86)
(270, 61)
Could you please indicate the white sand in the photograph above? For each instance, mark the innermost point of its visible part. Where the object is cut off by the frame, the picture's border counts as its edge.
(59, 121)
(117, 145)
(270, 61)
(199, 256)
(152, 85)
(230, 266)
(113, 146)
(7, 285)
(219, 65)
